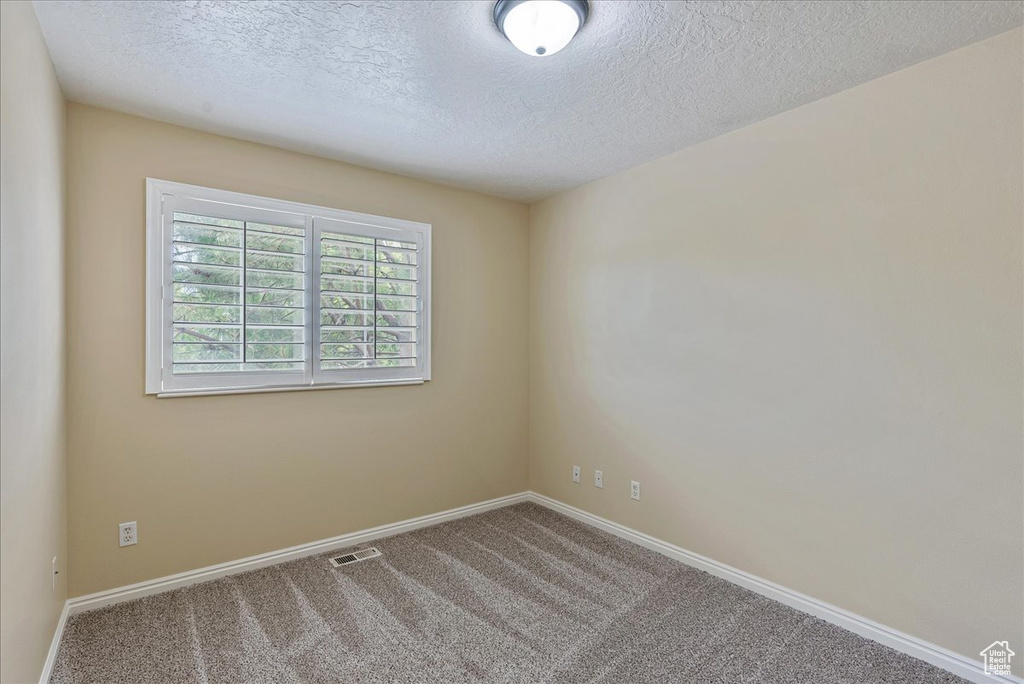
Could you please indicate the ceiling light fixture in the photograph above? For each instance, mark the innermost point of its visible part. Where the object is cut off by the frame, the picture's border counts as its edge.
(540, 27)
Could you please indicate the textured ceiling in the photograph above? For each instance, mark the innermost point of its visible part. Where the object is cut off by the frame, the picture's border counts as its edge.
(432, 89)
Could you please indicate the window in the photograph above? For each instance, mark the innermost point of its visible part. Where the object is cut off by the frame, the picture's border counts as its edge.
(246, 293)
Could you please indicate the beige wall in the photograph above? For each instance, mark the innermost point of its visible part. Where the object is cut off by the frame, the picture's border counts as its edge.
(31, 344)
(213, 479)
(804, 339)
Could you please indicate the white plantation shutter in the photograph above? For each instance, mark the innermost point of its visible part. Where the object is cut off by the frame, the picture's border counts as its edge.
(371, 321)
(247, 293)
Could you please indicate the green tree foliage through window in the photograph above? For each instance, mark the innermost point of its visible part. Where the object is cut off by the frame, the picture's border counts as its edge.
(239, 295)
(239, 298)
(368, 307)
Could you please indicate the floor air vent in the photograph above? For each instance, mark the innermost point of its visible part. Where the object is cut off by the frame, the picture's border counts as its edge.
(355, 557)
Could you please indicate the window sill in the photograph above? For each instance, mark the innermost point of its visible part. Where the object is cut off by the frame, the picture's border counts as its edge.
(287, 388)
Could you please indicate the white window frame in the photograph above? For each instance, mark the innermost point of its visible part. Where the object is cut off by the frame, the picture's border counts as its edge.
(163, 198)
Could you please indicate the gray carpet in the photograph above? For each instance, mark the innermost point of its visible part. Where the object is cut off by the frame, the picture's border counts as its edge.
(519, 594)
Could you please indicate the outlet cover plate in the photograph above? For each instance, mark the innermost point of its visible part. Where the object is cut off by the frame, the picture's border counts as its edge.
(599, 479)
(576, 474)
(634, 490)
(127, 534)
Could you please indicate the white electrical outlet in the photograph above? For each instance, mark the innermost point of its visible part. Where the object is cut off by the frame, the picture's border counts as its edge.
(576, 474)
(599, 479)
(127, 534)
(634, 490)
(53, 573)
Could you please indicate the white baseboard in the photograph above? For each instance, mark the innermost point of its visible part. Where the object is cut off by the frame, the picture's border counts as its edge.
(930, 653)
(184, 579)
(912, 646)
(51, 655)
